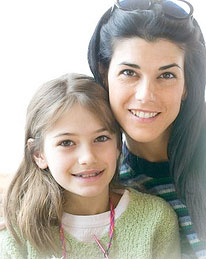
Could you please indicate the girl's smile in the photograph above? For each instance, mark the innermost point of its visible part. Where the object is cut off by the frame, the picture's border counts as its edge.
(89, 175)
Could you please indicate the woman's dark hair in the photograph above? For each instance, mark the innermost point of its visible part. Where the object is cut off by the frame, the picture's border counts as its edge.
(187, 143)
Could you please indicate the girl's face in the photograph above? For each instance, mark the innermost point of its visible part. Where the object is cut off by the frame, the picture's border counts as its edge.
(146, 86)
(80, 153)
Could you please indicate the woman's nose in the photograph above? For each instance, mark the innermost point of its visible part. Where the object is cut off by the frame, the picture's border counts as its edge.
(145, 91)
(86, 155)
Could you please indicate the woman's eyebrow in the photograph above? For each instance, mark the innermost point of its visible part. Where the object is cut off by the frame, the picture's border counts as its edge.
(130, 65)
(133, 65)
(169, 66)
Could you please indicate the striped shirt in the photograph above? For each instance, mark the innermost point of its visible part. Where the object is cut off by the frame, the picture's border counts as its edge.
(154, 178)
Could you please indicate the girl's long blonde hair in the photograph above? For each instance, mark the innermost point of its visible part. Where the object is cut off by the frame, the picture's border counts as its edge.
(34, 200)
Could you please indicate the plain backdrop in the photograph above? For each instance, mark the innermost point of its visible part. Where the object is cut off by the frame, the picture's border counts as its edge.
(41, 40)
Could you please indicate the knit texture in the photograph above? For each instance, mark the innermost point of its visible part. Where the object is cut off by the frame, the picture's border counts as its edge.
(155, 179)
(148, 229)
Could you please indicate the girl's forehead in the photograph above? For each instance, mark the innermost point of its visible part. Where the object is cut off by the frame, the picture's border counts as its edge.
(78, 116)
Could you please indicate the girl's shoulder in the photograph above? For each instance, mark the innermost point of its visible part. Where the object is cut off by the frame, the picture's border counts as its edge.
(152, 204)
(150, 216)
(5, 237)
(9, 247)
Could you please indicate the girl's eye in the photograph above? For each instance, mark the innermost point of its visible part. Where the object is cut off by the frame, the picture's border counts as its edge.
(102, 138)
(66, 143)
(128, 72)
(167, 75)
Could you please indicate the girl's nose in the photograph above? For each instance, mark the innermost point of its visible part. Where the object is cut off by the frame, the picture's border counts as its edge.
(86, 155)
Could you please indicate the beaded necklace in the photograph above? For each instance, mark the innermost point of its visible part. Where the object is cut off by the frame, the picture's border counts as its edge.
(111, 233)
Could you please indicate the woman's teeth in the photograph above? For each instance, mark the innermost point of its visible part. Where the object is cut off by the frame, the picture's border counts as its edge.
(144, 115)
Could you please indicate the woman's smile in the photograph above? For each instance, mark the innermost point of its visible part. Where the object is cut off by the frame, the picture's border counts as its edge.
(143, 116)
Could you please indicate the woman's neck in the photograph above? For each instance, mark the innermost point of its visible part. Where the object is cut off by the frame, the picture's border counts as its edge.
(155, 151)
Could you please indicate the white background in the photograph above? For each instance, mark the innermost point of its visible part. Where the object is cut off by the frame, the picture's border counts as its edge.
(41, 40)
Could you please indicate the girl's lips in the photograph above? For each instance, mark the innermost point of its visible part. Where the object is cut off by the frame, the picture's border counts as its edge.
(85, 177)
(88, 173)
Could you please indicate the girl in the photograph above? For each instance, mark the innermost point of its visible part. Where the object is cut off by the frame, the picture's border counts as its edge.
(150, 56)
(61, 202)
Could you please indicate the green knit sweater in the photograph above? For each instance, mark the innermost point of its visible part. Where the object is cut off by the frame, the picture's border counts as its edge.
(148, 229)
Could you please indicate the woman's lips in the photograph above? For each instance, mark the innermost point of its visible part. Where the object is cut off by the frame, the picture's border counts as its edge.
(144, 116)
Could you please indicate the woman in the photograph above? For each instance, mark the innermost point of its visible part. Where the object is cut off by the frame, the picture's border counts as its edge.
(151, 57)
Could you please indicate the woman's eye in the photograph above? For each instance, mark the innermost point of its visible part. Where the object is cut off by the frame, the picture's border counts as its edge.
(66, 143)
(167, 75)
(102, 138)
(128, 72)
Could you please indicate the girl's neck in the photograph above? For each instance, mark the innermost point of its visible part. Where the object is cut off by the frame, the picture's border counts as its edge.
(155, 151)
(78, 205)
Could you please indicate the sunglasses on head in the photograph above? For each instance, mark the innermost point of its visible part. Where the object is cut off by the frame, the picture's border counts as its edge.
(177, 9)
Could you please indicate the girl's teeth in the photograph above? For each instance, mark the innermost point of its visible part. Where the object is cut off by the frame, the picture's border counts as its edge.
(88, 175)
(144, 115)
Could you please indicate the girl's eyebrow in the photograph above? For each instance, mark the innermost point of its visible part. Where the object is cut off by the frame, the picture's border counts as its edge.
(74, 134)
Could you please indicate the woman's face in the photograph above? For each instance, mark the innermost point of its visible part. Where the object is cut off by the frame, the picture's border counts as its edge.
(146, 86)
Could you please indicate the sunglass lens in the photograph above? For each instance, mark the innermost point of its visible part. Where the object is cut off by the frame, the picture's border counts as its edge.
(131, 5)
(177, 9)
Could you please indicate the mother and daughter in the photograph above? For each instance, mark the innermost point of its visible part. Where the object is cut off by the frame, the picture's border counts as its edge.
(150, 57)
(62, 202)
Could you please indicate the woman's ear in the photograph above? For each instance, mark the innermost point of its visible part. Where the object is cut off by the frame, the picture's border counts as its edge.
(39, 157)
(184, 94)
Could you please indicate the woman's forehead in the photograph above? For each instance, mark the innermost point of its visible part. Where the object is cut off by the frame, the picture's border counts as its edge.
(139, 50)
